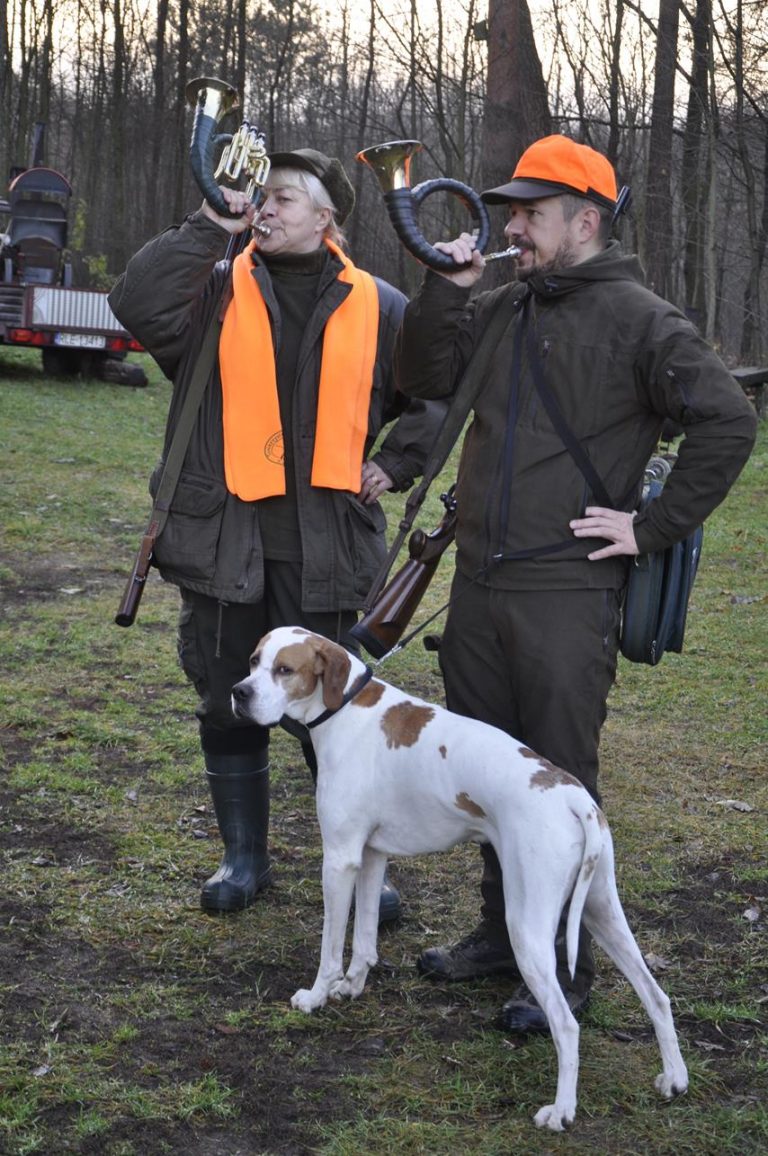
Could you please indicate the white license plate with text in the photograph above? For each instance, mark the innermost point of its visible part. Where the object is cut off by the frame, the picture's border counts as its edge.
(81, 340)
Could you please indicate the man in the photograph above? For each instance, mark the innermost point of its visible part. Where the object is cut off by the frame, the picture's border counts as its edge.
(275, 519)
(531, 639)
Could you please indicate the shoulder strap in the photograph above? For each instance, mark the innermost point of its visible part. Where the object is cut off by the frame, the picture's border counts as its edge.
(574, 447)
(183, 432)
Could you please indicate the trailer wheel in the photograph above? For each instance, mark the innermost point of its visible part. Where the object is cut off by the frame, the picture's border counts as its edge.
(62, 362)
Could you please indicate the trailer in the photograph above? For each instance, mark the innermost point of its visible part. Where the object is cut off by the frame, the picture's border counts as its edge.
(74, 329)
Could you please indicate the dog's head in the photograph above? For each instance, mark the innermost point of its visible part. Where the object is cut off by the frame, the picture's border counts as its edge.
(292, 672)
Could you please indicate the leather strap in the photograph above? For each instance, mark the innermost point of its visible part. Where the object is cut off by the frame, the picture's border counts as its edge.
(566, 435)
(178, 448)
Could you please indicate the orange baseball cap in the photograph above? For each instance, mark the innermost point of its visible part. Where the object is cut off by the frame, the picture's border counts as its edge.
(555, 165)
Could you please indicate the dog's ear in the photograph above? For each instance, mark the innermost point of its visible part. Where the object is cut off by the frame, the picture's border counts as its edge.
(332, 662)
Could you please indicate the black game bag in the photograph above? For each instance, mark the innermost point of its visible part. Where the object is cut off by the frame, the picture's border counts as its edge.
(659, 587)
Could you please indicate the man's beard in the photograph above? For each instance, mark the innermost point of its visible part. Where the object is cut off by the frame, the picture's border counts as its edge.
(563, 259)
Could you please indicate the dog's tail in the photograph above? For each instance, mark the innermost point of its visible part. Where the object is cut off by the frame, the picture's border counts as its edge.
(591, 824)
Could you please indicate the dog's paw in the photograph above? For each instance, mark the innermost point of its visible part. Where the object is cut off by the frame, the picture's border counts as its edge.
(671, 1084)
(347, 988)
(553, 1117)
(305, 1000)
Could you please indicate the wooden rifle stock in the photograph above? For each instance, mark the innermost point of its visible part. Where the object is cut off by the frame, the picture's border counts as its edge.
(129, 604)
(384, 625)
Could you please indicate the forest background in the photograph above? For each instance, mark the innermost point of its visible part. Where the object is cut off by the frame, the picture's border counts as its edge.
(675, 92)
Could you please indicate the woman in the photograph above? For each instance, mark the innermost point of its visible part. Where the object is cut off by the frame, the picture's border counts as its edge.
(275, 519)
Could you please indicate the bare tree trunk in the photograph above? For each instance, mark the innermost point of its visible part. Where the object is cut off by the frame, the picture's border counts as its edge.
(659, 233)
(240, 57)
(44, 70)
(155, 207)
(355, 226)
(6, 83)
(344, 86)
(180, 118)
(279, 77)
(5, 55)
(614, 85)
(117, 255)
(753, 342)
(516, 108)
(694, 182)
(755, 217)
(22, 114)
(710, 231)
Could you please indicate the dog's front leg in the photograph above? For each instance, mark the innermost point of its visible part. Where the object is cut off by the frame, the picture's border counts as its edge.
(339, 873)
(367, 897)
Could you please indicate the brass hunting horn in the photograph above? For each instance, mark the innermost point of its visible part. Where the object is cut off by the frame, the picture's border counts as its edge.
(244, 154)
(391, 163)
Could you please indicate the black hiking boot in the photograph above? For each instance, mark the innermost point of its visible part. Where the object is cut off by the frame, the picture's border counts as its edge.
(485, 951)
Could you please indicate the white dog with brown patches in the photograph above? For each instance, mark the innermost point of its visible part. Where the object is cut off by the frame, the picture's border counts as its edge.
(397, 776)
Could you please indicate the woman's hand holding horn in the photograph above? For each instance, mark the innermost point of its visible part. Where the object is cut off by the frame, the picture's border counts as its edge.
(238, 202)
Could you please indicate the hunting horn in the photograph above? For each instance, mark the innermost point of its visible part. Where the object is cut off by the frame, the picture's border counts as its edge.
(391, 163)
(244, 153)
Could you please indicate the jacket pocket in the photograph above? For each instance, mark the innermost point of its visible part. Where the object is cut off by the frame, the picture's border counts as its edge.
(366, 541)
(189, 541)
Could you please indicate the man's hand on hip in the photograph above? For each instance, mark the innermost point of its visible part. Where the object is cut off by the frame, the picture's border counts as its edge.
(613, 525)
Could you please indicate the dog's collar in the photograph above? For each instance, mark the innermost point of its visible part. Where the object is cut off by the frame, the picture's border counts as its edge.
(361, 681)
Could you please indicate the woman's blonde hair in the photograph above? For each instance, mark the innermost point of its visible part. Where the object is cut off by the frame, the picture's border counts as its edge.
(319, 197)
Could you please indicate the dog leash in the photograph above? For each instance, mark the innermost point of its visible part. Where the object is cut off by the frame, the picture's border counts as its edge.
(422, 626)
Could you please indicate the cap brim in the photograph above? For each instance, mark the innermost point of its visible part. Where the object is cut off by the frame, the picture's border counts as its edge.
(521, 189)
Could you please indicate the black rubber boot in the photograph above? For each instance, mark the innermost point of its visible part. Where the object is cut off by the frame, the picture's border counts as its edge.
(239, 786)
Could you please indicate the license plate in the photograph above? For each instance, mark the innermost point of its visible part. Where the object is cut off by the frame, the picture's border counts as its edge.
(81, 340)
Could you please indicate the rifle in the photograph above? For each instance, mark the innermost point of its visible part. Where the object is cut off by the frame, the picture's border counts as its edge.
(382, 627)
(134, 587)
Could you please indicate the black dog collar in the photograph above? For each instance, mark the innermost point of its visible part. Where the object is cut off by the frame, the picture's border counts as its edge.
(361, 681)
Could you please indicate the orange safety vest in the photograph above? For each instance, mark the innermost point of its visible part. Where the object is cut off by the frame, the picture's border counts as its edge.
(253, 435)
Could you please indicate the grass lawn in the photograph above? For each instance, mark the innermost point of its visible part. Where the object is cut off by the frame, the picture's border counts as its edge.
(132, 1024)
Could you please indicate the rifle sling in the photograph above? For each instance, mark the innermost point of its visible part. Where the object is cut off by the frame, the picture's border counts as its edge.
(178, 448)
(453, 423)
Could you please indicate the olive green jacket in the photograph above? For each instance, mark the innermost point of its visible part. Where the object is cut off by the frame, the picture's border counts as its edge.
(619, 360)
